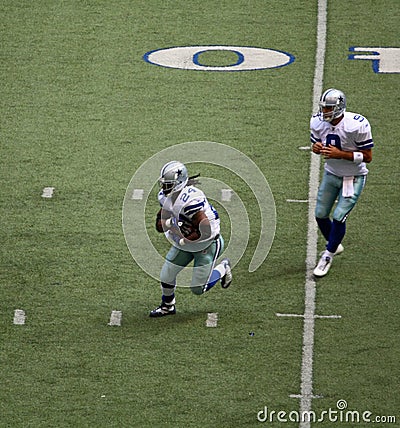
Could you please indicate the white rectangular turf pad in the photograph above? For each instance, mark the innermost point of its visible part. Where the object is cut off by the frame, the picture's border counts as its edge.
(19, 317)
(48, 192)
(137, 194)
(226, 194)
(212, 320)
(115, 318)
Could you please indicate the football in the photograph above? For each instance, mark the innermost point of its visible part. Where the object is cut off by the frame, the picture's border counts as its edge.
(187, 228)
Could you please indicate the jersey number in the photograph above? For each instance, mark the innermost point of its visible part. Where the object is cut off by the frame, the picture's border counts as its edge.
(185, 197)
(334, 140)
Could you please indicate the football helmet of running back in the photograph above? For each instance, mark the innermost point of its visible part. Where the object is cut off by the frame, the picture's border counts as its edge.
(335, 99)
(173, 177)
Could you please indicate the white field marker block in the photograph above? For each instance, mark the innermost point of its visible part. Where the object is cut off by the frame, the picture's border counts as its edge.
(137, 194)
(48, 192)
(115, 318)
(212, 320)
(19, 317)
(305, 148)
(297, 200)
(226, 194)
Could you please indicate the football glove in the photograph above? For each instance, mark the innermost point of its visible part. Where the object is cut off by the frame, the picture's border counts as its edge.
(171, 222)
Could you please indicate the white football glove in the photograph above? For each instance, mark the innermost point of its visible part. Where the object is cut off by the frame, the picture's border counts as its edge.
(171, 222)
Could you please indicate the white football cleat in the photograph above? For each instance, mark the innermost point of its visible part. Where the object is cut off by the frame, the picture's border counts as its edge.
(339, 250)
(227, 278)
(323, 266)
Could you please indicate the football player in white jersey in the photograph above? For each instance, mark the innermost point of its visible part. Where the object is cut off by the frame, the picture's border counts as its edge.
(192, 226)
(344, 139)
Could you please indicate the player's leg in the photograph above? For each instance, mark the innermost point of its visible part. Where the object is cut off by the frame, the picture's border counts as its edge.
(175, 261)
(328, 191)
(207, 272)
(338, 228)
(341, 213)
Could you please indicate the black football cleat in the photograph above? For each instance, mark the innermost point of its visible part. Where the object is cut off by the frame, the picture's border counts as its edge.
(163, 310)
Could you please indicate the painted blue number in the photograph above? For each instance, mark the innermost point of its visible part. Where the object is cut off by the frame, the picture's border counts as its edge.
(334, 140)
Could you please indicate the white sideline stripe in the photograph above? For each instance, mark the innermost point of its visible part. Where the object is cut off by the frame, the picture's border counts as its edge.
(137, 194)
(226, 194)
(212, 320)
(305, 148)
(312, 234)
(19, 317)
(303, 316)
(296, 200)
(115, 318)
(47, 192)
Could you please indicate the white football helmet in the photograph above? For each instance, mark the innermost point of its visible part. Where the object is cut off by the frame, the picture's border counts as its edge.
(334, 99)
(173, 177)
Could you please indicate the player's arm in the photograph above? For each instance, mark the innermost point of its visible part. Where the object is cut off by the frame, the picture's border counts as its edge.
(159, 222)
(367, 153)
(164, 221)
(316, 143)
(317, 147)
(332, 152)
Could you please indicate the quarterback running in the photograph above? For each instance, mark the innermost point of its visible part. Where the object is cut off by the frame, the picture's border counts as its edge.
(344, 139)
(192, 226)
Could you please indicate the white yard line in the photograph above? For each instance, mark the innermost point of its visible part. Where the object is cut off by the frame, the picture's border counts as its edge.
(306, 394)
(303, 316)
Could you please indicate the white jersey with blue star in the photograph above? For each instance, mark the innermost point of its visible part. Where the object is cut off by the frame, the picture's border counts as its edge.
(352, 133)
(189, 201)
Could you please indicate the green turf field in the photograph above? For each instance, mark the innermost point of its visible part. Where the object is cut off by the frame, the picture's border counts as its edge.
(81, 111)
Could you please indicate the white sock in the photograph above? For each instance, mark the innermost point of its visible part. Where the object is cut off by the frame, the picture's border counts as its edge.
(329, 254)
(221, 269)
